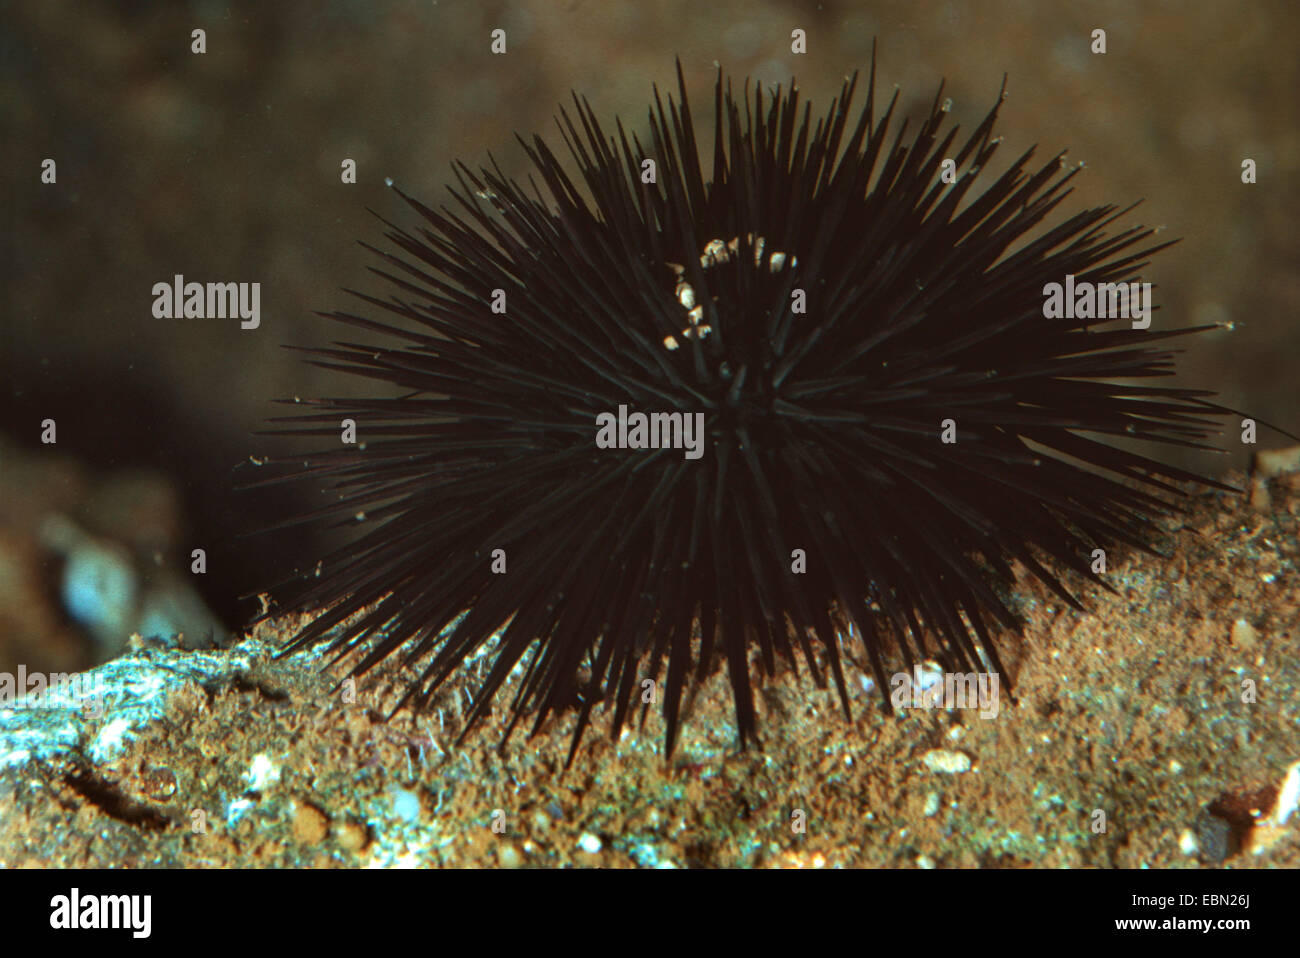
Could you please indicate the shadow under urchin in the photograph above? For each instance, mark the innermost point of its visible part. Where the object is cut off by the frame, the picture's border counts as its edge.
(924, 302)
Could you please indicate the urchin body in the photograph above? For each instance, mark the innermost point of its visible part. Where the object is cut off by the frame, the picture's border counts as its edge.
(889, 421)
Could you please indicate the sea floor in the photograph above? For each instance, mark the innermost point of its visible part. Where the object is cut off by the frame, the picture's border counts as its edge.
(1155, 730)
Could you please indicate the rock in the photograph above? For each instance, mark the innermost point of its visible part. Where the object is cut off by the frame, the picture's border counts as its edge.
(1243, 635)
(353, 836)
(508, 856)
(945, 761)
(310, 826)
(1215, 837)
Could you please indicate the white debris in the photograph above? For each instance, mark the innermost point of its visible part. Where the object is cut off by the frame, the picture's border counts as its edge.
(945, 761)
(1271, 828)
(110, 740)
(235, 811)
(406, 804)
(262, 773)
(1288, 797)
(931, 674)
(130, 692)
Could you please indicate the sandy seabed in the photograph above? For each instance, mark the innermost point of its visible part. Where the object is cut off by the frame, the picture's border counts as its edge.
(1131, 742)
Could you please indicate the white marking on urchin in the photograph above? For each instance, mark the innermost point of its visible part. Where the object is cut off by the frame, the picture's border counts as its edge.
(716, 251)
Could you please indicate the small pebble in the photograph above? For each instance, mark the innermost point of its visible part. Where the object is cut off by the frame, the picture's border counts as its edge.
(931, 804)
(589, 843)
(353, 836)
(942, 760)
(310, 826)
(1243, 635)
(508, 856)
(160, 783)
(1214, 837)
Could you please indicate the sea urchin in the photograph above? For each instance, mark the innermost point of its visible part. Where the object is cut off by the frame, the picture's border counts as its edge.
(674, 414)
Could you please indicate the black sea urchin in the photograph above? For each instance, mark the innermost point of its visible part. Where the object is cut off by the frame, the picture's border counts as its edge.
(888, 418)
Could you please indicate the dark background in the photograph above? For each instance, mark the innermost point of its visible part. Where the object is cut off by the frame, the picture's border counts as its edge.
(225, 167)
